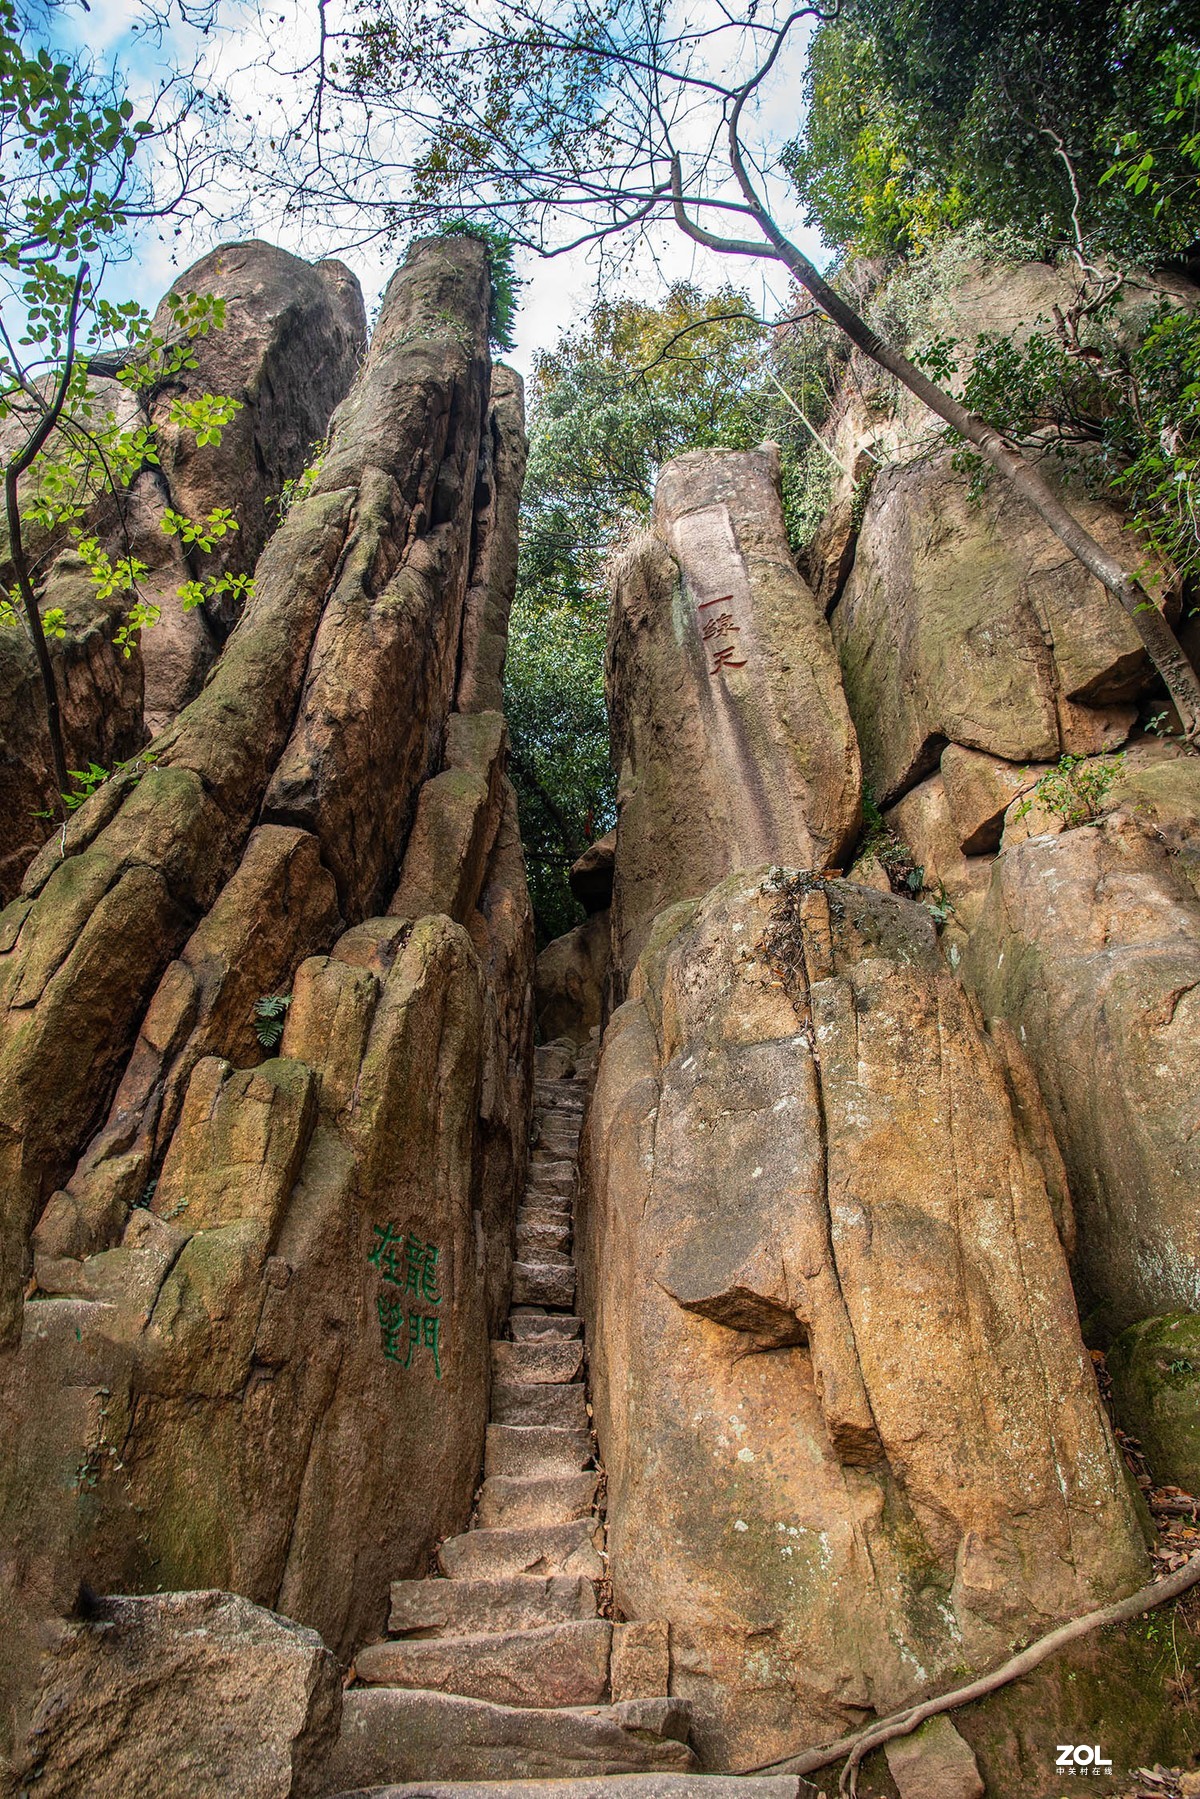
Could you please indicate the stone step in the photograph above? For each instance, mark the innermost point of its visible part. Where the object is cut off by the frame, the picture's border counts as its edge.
(554, 1195)
(400, 1734)
(526, 1322)
(544, 1549)
(533, 1252)
(566, 1118)
(466, 1607)
(565, 1088)
(549, 1165)
(558, 1138)
(611, 1786)
(539, 1210)
(564, 1407)
(528, 1450)
(535, 1232)
(529, 1502)
(535, 1363)
(544, 1284)
(548, 1667)
(558, 1097)
(545, 1199)
(556, 1173)
(534, 1211)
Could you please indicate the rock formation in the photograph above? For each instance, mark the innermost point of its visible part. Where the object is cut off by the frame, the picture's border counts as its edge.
(851, 1434)
(262, 1134)
(730, 730)
(262, 1697)
(292, 339)
(1089, 945)
(961, 623)
(721, 1389)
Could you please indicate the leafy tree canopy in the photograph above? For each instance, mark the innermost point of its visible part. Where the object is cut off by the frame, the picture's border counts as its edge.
(617, 397)
(926, 114)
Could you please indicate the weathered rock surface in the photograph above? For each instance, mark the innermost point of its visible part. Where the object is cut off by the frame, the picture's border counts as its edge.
(279, 906)
(255, 1355)
(106, 909)
(729, 726)
(851, 1436)
(1089, 946)
(100, 698)
(924, 823)
(309, 1287)
(293, 337)
(183, 1695)
(874, 421)
(493, 580)
(458, 817)
(968, 622)
(571, 978)
(641, 1659)
(1155, 1371)
(979, 790)
(934, 1763)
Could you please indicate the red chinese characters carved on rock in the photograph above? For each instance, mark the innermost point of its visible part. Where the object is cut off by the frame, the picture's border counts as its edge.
(721, 625)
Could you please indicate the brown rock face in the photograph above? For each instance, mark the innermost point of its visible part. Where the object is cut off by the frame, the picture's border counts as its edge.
(100, 695)
(729, 725)
(572, 975)
(851, 1435)
(295, 714)
(268, 1261)
(923, 821)
(1089, 946)
(181, 1696)
(967, 622)
(493, 581)
(293, 337)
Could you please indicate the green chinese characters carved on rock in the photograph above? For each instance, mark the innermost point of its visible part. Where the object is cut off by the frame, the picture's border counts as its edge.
(405, 1262)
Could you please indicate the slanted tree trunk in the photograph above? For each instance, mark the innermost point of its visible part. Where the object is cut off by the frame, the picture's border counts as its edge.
(1162, 646)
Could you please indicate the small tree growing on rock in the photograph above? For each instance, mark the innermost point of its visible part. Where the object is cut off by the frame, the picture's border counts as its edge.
(70, 186)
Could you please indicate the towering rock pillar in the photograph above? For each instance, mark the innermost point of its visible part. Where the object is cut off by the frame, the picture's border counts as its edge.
(730, 728)
(265, 1056)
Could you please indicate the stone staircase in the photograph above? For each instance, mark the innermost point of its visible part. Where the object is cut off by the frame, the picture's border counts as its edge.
(502, 1670)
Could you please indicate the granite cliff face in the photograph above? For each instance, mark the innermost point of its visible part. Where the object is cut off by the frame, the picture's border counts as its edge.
(266, 1050)
(730, 730)
(852, 1163)
(293, 336)
(392, 1407)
